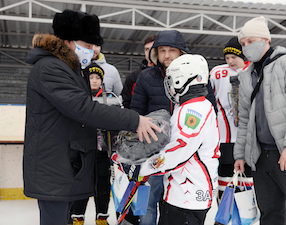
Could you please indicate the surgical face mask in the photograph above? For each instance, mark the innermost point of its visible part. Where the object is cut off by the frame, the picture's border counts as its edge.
(253, 51)
(84, 55)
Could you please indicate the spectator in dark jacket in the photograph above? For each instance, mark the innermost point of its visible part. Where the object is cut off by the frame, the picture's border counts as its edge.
(61, 118)
(130, 81)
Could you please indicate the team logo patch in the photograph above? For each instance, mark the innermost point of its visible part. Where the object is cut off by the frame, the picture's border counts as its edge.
(158, 162)
(192, 119)
(199, 78)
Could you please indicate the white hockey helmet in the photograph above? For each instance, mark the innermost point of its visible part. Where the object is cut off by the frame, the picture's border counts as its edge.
(184, 72)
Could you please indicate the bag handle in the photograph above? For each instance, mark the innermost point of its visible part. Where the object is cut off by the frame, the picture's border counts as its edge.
(235, 179)
(242, 175)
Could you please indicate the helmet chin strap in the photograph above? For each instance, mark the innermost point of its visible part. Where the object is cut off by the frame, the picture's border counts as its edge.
(180, 91)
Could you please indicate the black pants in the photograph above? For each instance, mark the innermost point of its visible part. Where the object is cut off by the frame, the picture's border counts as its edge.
(270, 188)
(103, 184)
(54, 212)
(171, 215)
(103, 188)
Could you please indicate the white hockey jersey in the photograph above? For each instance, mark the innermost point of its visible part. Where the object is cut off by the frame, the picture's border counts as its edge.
(219, 78)
(190, 160)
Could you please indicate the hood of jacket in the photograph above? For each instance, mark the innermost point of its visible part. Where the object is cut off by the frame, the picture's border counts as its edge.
(52, 45)
(101, 59)
(172, 38)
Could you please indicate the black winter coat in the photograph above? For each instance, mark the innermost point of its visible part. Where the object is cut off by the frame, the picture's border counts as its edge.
(149, 92)
(61, 122)
(129, 84)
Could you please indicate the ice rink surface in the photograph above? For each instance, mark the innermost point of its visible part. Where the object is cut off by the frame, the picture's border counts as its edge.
(26, 212)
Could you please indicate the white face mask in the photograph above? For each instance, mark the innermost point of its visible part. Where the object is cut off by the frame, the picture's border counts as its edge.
(253, 51)
(84, 55)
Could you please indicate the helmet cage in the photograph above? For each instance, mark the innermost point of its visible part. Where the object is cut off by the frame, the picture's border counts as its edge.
(170, 90)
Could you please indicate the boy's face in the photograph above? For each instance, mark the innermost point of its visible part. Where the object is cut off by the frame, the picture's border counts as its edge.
(167, 54)
(234, 61)
(95, 81)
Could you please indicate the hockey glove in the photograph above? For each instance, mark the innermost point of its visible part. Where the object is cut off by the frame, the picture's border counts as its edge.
(133, 171)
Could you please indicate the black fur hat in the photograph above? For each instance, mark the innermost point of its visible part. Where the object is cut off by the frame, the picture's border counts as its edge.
(74, 25)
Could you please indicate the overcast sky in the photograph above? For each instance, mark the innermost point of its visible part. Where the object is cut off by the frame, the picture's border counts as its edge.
(261, 1)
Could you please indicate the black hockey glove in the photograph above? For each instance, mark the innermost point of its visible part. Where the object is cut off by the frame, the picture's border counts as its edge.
(132, 171)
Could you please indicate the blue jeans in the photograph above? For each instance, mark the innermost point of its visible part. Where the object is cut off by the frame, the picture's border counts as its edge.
(156, 191)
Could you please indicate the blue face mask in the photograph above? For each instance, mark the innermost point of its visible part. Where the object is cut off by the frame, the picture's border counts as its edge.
(84, 55)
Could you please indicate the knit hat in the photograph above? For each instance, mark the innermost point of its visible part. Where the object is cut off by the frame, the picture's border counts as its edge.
(94, 68)
(74, 25)
(255, 27)
(233, 47)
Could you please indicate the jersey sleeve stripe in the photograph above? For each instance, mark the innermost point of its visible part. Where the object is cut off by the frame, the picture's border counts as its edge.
(181, 145)
(176, 167)
(169, 187)
(207, 175)
(226, 122)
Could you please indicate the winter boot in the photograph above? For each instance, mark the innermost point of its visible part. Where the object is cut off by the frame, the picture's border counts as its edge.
(101, 219)
(77, 219)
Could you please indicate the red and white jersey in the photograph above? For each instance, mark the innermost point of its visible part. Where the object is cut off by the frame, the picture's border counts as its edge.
(190, 161)
(220, 81)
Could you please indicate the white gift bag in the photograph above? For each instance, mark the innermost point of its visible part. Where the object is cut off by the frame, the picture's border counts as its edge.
(119, 187)
(247, 205)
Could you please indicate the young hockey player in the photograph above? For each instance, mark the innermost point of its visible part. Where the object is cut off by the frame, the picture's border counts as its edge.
(190, 161)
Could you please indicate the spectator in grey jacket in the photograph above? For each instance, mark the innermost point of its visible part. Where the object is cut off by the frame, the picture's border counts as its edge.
(112, 79)
(261, 136)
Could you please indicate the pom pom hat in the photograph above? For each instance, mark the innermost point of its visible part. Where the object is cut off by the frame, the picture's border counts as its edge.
(94, 68)
(233, 47)
(74, 25)
(255, 27)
